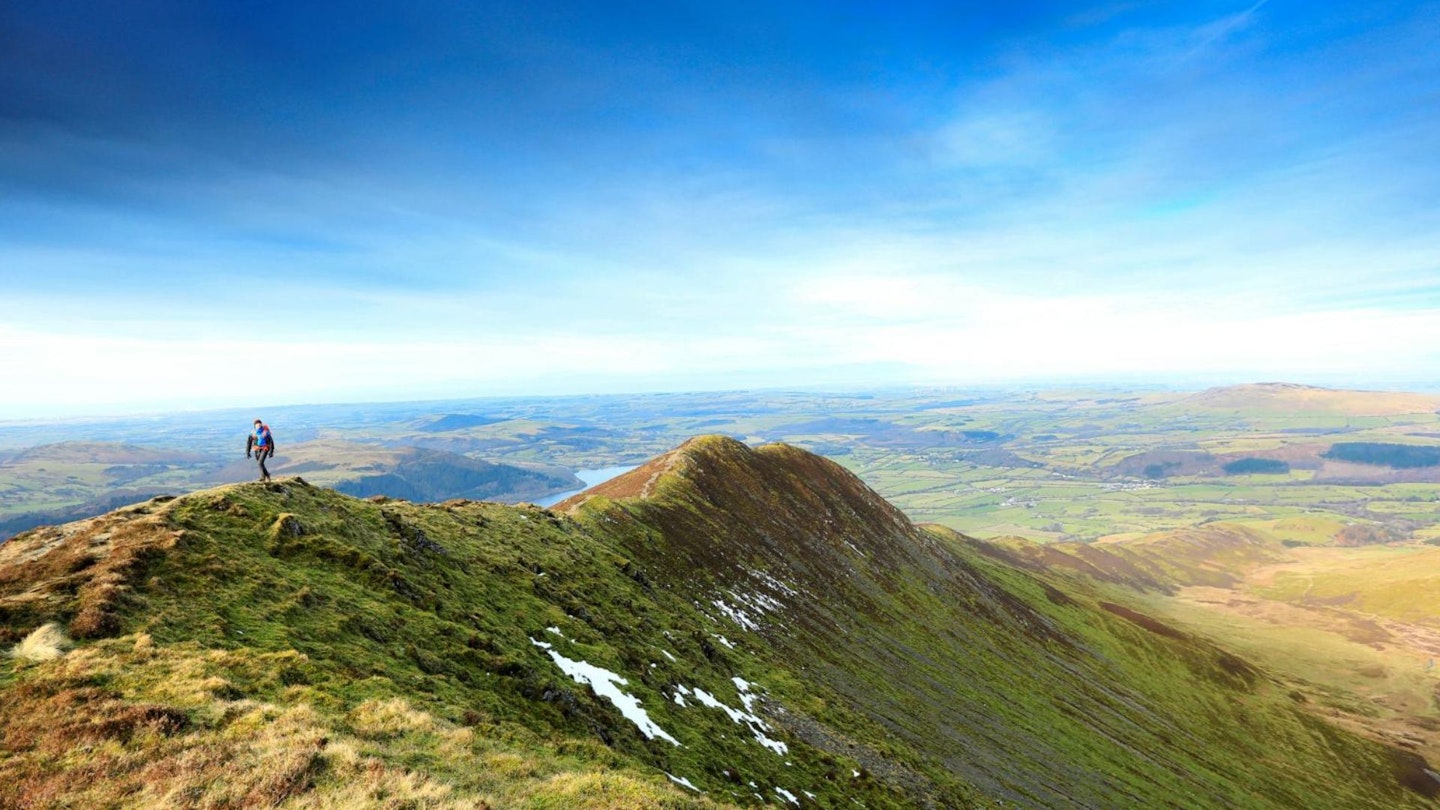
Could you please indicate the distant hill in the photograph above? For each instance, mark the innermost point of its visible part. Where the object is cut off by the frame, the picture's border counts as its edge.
(722, 627)
(1292, 398)
(457, 421)
(101, 453)
(71, 471)
(55, 483)
(411, 473)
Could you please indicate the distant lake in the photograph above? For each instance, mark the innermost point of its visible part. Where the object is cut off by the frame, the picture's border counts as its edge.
(591, 478)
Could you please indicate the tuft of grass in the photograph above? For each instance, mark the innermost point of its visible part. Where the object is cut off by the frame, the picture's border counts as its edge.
(46, 643)
(387, 719)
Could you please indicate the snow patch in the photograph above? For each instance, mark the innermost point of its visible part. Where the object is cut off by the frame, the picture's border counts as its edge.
(683, 782)
(607, 685)
(743, 686)
(555, 630)
(788, 796)
(668, 655)
(757, 602)
(750, 606)
(748, 719)
(775, 584)
(723, 640)
(736, 615)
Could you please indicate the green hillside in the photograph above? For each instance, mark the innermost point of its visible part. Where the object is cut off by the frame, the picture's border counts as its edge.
(722, 625)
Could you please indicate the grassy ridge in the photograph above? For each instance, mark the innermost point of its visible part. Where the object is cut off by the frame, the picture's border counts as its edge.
(796, 636)
(351, 604)
(1033, 694)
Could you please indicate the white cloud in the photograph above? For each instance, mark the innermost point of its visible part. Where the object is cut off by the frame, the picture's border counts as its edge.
(999, 336)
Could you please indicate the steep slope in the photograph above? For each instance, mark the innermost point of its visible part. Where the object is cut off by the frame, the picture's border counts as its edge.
(1033, 695)
(1350, 631)
(754, 624)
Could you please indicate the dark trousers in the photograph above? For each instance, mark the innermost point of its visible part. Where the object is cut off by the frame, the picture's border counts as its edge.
(262, 453)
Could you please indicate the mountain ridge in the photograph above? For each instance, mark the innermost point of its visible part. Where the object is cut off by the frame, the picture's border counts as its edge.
(793, 635)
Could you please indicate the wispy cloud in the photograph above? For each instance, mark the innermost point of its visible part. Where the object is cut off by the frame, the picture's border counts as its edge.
(1208, 35)
(489, 195)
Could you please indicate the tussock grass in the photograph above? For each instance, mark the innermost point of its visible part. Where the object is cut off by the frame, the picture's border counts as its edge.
(47, 642)
(387, 719)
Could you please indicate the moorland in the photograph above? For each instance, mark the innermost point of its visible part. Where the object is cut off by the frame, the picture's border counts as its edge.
(1290, 533)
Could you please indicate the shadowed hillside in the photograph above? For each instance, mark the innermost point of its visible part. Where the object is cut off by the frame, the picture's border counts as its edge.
(754, 624)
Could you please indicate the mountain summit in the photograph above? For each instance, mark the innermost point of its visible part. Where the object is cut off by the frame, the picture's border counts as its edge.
(725, 625)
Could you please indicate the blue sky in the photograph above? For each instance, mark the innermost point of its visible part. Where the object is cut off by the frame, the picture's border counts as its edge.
(246, 203)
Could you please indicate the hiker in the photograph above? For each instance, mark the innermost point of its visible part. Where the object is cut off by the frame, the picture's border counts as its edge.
(263, 444)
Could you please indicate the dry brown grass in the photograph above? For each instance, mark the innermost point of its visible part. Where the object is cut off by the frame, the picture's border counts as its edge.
(599, 791)
(129, 723)
(46, 643)
(388, 719)
(78, 573)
